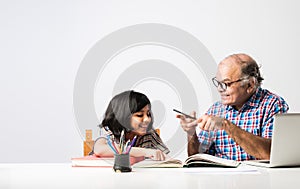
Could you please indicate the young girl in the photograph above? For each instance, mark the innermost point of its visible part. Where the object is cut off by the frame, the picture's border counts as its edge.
(130, 112)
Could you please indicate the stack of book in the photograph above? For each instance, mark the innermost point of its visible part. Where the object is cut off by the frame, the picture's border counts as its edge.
(197, 160)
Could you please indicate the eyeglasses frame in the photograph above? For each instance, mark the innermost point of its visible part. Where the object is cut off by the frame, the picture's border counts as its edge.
(223, 85)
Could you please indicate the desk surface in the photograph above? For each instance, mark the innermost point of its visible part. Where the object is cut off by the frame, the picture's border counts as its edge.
(31, 176)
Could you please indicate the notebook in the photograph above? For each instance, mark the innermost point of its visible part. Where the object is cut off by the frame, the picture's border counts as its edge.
(285, 142)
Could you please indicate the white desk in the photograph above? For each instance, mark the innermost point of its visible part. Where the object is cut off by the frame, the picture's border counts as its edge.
(43, 176)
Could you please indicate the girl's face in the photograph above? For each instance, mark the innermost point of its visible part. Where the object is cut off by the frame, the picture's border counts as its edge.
(140, 120)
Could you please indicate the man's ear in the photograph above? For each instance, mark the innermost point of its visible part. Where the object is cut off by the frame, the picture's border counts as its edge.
(251, 85)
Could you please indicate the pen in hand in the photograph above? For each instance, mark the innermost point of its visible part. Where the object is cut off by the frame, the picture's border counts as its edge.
(186, 115)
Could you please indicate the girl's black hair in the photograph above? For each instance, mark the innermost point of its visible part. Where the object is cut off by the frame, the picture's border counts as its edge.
(120, 109)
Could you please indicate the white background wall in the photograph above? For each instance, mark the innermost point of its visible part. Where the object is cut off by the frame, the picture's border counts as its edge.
(42, 44)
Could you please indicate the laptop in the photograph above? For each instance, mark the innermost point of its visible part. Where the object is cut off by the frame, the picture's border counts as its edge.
(285, 143)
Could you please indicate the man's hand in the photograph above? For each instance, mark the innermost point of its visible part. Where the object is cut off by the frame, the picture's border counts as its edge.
(187, 124)
(209, 123)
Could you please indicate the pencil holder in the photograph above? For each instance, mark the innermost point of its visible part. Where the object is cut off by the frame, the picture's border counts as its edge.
(122, 163)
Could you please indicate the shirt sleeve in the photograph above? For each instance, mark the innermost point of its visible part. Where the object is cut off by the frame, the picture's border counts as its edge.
(277, 106)
(206, 139)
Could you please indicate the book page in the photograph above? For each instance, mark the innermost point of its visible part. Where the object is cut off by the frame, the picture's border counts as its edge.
(90, 161)
(171, 163)
(209, 160)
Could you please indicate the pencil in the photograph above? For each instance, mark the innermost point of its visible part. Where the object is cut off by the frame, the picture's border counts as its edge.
(116, 147)
(110, 145)
(186, 115)
(131, 144)
(126, 147)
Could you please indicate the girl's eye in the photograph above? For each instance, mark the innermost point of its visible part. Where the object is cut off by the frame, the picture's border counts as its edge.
(142, 114)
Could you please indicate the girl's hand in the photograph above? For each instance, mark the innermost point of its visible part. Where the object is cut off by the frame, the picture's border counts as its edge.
(155, 154)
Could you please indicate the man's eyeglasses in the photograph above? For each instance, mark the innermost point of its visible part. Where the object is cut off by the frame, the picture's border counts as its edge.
(223, 85)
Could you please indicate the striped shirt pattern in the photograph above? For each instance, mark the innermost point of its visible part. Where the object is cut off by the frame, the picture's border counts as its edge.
(151, 140)
(256, 116)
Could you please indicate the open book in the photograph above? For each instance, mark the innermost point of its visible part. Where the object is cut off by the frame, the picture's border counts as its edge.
(197, 160)
(95, 161)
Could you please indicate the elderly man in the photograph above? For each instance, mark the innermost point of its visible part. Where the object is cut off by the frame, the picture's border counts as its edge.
(239, 127)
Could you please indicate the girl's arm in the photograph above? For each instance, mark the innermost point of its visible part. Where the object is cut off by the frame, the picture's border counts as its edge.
(154, 154)
(101, 148)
